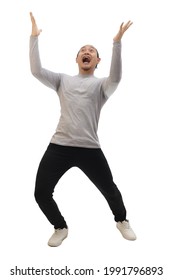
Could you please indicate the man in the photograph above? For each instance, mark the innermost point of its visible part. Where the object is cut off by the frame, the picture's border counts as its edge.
(75, 142)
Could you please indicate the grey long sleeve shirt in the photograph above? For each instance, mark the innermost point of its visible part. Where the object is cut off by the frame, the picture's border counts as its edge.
(81, 98)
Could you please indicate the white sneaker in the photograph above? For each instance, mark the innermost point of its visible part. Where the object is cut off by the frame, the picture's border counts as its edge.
(57, 237)
(126, 230)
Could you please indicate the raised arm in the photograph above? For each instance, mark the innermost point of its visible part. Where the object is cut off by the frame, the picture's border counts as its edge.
(48, 78)
(110, 84)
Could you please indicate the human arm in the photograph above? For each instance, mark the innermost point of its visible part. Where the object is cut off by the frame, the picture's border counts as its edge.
(110, 84)
(45, 76)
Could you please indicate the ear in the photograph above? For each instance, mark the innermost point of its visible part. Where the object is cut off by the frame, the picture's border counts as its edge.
(98, 60)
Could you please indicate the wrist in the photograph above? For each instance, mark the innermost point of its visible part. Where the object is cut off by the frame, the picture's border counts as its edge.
(117, 38)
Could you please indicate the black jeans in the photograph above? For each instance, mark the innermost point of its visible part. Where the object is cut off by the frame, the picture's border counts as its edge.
(56, 161)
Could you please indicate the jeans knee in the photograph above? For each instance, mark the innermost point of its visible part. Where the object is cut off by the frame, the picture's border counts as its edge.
(41, 196)
(37, 196)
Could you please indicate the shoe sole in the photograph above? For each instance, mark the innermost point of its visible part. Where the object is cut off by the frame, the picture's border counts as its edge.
(130, 239)
(50, 245)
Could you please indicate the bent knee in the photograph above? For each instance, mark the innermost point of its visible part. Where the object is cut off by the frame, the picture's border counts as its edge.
(42, 195)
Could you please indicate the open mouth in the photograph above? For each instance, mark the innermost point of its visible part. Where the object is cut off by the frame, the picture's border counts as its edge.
(86, 59)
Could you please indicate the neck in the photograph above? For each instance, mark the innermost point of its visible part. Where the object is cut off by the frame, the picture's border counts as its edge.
(86, 72)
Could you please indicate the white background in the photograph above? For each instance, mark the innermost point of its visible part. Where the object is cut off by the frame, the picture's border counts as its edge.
(135, 132)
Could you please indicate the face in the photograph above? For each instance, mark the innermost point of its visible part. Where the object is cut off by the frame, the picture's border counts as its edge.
(87, 59)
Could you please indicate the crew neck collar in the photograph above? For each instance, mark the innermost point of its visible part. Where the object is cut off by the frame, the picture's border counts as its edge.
(85, 75)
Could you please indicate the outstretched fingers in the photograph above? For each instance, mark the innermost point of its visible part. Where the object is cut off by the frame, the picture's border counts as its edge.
(125, 26)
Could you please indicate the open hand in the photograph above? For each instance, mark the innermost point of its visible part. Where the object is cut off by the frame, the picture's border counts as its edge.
(35, 30)
(123, 28)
